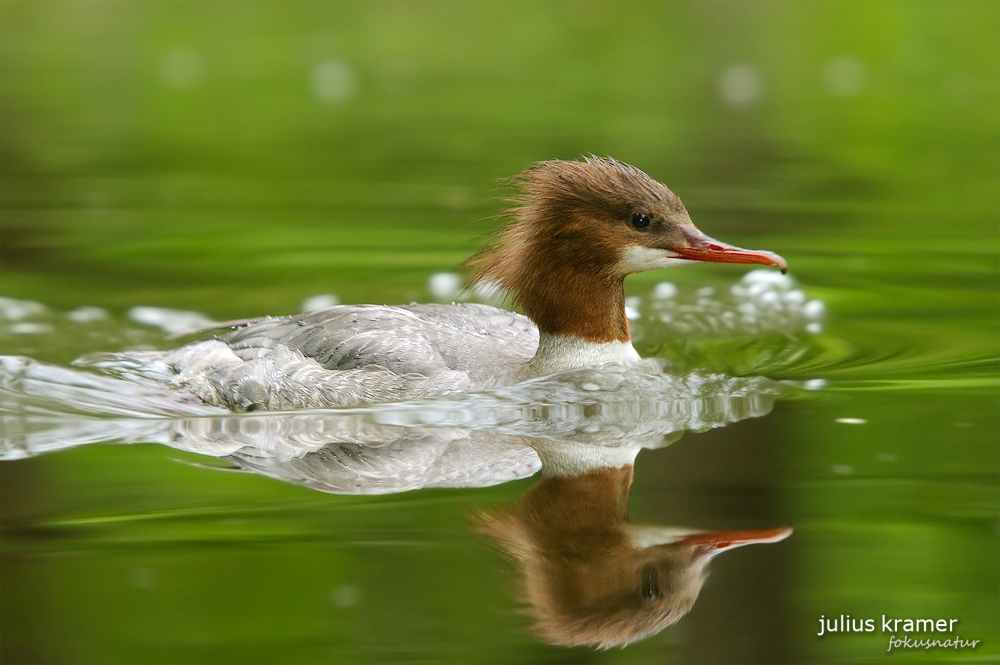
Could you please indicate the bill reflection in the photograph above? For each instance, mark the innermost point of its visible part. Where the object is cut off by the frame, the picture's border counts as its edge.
(591, 576)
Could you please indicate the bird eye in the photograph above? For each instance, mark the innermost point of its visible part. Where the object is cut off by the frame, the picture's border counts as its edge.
(649, 583)
(639, 220)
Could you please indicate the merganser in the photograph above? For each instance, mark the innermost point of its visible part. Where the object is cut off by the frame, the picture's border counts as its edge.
(576, 230)
(591, 576)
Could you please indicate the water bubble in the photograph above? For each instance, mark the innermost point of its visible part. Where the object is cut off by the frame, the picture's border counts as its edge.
(762, 301)
(332, 81)
(87, 314)
(845, 76)
(769, 277)
(664, 291)
(488, 290)
(345, 596)
(171, 321)
(12, 309)
(770, 298)
(852, 421)
(794, 298)
(842, 469)
(740, 86)
(182, 68)
(632, 304)
(445, 285)
(320, 301)
(31, 329)
(814, 309)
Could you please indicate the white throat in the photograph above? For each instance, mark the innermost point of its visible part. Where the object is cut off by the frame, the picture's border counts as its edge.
(636, 258)
(568, 458)
(561, 353)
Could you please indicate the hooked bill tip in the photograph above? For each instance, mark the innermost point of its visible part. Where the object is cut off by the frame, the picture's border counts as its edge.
(702, 248)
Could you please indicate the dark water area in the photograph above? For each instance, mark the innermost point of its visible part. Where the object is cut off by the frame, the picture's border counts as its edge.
(167, 164)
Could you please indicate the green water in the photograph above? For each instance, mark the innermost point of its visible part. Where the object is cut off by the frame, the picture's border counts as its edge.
(236, 158)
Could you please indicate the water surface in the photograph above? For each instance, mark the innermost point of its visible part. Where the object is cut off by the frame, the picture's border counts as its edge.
(235, 161)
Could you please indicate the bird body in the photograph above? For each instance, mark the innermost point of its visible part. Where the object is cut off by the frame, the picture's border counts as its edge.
(576, 230)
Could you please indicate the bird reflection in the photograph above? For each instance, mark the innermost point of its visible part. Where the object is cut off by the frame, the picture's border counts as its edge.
(590, 576)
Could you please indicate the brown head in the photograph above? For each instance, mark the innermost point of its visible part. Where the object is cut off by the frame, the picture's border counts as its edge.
(577, 229)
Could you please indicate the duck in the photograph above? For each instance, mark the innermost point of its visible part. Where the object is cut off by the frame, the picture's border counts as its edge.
(576, 229)
(588, 575)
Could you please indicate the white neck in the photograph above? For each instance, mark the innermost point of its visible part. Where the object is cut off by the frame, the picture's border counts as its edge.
(567, 458)
(560, 353)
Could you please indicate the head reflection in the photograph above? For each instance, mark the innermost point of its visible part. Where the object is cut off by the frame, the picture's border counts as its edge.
(590, 576)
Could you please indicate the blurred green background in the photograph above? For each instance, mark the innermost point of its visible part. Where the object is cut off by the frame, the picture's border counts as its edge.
(235, 158)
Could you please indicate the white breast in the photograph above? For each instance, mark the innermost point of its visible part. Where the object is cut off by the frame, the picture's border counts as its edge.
(559, 353)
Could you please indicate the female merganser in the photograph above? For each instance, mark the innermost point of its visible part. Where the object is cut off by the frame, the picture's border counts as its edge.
(590, 576)
(577, 230)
